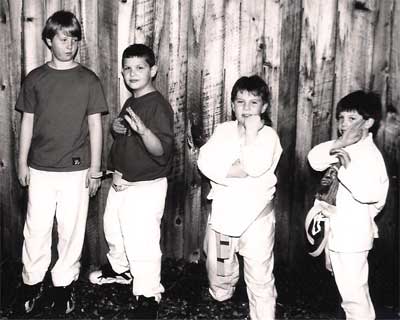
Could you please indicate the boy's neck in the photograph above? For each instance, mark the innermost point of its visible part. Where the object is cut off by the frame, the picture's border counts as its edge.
(143, 91)
(62, 65)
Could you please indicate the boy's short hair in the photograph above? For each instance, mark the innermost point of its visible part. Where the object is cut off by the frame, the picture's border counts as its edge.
(64, 21)
(367, 104)
(139, 50)
(256, 86)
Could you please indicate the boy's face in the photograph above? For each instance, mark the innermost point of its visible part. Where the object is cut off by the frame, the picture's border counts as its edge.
(247, 104)
(138, 74)
(63, 46)
(349, 120)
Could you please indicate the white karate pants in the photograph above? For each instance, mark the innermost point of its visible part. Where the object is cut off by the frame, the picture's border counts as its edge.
(256, 246)
(132, 221)
(65, 196)
(351, 276)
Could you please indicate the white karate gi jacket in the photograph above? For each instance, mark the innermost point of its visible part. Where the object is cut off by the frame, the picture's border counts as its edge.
(237, 202)
(361, 194)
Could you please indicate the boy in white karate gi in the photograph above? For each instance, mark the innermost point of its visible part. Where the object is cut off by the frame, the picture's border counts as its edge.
(361, 194)
(240, 159)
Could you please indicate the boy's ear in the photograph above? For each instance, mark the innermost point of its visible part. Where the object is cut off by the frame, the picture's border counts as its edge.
(153, 71)
(369, 123)
(264, 107)
(48, 42)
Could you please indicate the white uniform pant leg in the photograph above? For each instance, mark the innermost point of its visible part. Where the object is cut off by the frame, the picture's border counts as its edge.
(256, 246)
(36, 250)
(140, 217)
(113, 232)
(71, 214)
(221, 287)
(351, 276)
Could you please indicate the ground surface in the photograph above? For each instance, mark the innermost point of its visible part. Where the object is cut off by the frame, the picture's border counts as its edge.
(187, 297)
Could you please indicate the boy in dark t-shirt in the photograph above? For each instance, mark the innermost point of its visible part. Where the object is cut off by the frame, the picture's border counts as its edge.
(140, 158)
(59, 159)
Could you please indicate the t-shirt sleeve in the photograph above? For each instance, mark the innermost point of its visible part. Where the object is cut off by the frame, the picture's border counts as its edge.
(97, 101)
(162, 125)
(27, 100)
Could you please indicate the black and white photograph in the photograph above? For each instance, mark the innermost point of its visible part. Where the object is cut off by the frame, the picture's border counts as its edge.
(200, 159)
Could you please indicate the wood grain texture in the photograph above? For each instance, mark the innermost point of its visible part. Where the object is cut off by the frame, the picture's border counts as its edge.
(289, 56)
(311, 53)
(271, 61)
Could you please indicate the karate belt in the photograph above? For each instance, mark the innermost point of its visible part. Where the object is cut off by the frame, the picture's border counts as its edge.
(224, 242)
(319, 216)
(324, 207)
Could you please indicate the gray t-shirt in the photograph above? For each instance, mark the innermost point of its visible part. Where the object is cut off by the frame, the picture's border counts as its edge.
(61, 101)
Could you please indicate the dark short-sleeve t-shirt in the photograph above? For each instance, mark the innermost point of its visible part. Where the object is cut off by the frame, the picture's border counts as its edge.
(61, 101)
(129, 155)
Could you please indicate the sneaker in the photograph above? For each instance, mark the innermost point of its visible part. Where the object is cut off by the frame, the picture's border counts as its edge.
(147, 308)
(64, 299)
(30, 298)
(107, 275)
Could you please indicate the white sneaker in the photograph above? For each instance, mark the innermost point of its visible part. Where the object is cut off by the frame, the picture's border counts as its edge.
(107, 275)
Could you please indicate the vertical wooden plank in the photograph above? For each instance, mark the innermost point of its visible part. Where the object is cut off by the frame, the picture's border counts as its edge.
(353, 48)
(251, 37)
(89, 46)
(34, 48)
(271, 68)
(144, 21)
(94, 246)
(179, 222)
(11, 194)
(212, 81)
(197, 187)
(315, 95)
(291, 12)
(108, 62)
(232, 45)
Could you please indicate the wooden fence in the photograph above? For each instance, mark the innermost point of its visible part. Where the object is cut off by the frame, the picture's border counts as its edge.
(311, 52)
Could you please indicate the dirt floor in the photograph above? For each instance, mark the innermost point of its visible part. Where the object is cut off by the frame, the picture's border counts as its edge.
(187, 297)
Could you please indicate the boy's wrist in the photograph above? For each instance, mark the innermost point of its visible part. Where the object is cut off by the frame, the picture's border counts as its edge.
(144, 132)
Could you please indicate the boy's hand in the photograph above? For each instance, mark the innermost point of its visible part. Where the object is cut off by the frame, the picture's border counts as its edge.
(23, 175)
(118, 126)
(342, 155)
(135, 122)
(252, 124)
(236, 170)
(352, 135)
(92, 183)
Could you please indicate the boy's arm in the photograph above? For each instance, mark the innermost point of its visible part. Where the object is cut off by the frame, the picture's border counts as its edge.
(366, 180)
(216, 162)
(320, 157)
(24, 146)
(96, 143)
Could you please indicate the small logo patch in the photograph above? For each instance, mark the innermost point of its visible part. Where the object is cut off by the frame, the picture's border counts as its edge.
(76, 161)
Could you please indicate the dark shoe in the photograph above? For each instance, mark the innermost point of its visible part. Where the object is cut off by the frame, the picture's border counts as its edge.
(64, 299)
(106, 275)
(147, 308)
(30, 298)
